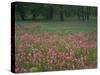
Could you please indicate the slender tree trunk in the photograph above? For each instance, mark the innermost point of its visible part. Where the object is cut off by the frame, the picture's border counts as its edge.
(50, 13)
(61, 14)
(22, 16)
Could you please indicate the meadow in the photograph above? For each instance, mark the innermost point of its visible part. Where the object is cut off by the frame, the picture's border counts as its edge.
(53, 45)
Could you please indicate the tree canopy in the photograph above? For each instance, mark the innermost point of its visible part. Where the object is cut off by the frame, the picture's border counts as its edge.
(39, 11)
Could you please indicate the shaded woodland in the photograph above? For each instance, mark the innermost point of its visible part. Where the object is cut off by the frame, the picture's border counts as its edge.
(49, 12)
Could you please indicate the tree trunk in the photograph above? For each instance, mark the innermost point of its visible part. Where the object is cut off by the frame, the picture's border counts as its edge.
(61, 14)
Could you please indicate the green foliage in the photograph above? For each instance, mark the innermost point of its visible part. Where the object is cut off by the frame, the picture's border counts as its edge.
(79, 53)
(92, 55)
(27, 65)
(60, 48)
(48, 12)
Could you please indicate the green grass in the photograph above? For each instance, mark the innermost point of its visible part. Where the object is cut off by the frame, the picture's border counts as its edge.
(92, 55)
(62, 27)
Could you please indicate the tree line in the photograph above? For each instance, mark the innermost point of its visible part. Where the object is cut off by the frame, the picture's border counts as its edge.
(38, 11)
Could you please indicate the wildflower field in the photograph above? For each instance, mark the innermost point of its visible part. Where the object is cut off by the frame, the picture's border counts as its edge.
(52, 46)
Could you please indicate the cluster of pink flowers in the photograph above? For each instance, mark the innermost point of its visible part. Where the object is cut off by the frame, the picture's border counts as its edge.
(75, 42)
(28, 38)
(51, 57)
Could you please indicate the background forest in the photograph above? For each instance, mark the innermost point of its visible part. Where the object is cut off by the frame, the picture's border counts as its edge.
(27, 11)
